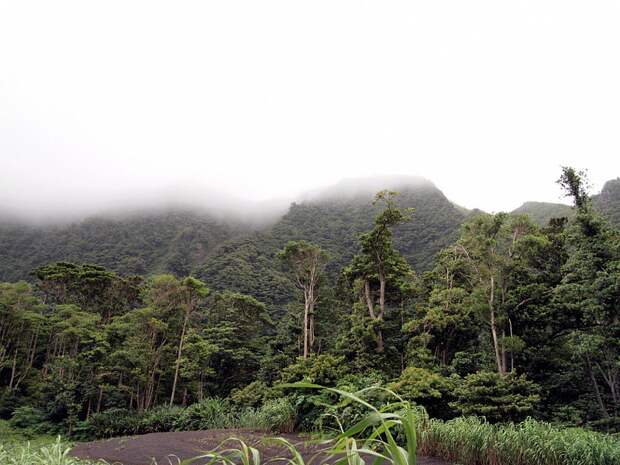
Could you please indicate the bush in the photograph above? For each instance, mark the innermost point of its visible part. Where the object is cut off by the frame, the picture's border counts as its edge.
(207, 414)
(33, 421)
(8, 403)
(497, 398)
(426, 388)
(48, 454)
(160, 419)
(252, 395)
(324, 369)
(278, 415)
(115, 422)
(28, 418)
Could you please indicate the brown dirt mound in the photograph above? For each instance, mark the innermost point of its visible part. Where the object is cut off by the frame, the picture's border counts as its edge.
(168, 448)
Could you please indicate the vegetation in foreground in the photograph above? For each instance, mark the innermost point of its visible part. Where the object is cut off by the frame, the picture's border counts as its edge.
(16, 448)
(513, 321)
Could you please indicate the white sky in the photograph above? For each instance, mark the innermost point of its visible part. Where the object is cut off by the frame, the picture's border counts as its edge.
(100, 100)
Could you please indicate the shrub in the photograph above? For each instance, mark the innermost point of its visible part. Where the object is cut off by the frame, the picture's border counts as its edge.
(323, 369)
(27, 418)
(50, 454)
(160, 419)
(207, 414)
(115, 422)
(497, 398)
(278, 415)
(252, 395)
(427, 388)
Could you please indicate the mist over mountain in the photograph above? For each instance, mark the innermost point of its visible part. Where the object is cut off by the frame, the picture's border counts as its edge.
(230, 243)
(333, 219)
(200, 200)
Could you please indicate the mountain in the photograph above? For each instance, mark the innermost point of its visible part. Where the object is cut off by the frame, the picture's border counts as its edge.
(542, 212)
(237, 250)
(173, 241)
(608, 201)
(333, 218)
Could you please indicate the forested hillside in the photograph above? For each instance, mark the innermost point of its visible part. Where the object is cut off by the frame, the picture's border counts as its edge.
(233, 253)
(542, 212)
(333, 220)
(508, 320)
(608, 201)
(174, 242)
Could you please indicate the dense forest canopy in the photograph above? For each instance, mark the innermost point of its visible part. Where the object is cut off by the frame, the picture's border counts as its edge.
(465, 313)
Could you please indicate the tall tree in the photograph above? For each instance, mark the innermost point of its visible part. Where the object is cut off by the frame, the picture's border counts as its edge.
(185, 297)
(590, 294)
(307, 263)
(378, 264)
(493, 247)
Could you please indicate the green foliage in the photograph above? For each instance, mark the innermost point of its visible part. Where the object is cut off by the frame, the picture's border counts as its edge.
(542, 212)
(495, 397)
(159, 242)
(85, 350)
(319, 369)
(56, 453)
(252, 395)
(471, 441)
(426, 388)
(276, 415)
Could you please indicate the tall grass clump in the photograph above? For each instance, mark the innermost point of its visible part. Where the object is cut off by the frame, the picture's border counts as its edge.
(56, 453)
(472, 441)
(276, 415)
(385, 435)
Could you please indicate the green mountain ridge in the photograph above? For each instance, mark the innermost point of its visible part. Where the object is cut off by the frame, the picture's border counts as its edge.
(237, 254)
(542, 212)
(248, 264)
(173, 241)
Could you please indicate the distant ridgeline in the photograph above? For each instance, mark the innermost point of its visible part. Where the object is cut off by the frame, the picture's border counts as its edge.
(606, 203)
(233, 254)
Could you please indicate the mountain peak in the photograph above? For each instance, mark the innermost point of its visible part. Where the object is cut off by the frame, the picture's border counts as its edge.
(364, 187)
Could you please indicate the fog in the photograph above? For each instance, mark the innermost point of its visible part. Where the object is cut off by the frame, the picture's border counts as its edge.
(244, 106)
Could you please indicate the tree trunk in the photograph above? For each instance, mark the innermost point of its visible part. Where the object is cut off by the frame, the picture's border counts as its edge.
(498, 356)
(178, 361)
(306, 328)
(597, 391)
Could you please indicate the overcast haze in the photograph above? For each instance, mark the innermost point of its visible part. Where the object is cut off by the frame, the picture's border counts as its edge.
(107, 102)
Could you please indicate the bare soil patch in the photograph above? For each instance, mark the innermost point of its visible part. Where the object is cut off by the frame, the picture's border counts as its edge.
(167, 448)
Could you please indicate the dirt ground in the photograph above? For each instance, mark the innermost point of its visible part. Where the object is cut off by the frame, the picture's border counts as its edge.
(170, 448)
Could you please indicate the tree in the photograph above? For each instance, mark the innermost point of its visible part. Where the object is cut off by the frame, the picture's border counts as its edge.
(22, 325)
(91, 287)
(495, 397)
(494, 249)
(589, 295)
(379, 265)
(307, 262)
(184, 297)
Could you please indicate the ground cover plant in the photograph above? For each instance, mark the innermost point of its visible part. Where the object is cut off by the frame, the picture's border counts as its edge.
(472, 441)
(16, 448)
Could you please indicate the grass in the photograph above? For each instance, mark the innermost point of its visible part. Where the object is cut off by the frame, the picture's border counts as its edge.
(17, 448)
(386, 435)
(472, 441)
(394, 433)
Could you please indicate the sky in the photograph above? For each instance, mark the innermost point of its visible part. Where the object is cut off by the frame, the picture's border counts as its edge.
(111, 102)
